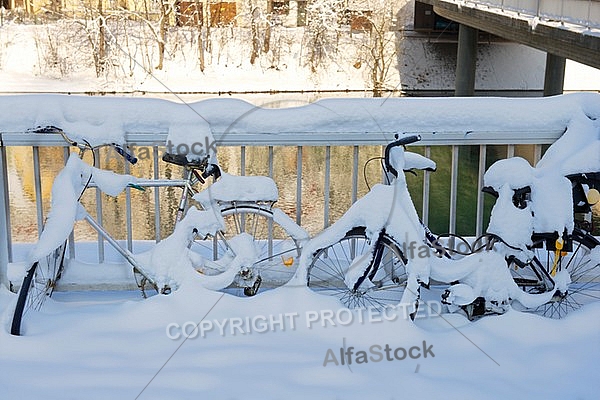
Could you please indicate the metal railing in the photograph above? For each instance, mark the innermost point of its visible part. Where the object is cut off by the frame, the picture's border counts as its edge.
(298, 140)
(585, 13)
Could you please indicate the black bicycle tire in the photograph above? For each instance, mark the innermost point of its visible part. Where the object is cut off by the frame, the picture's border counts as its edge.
(360, 232)
(15, 328)
(25, 289)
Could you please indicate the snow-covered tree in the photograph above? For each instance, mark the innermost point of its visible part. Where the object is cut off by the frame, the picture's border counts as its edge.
(378, 41)
(322, 28)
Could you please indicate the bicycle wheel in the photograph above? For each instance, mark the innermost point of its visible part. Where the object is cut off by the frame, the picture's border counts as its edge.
(277, 251)
(38, 285)
(583, 267)
(388, 278)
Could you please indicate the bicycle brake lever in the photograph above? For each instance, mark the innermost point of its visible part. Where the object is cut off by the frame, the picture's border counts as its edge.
(135, 186)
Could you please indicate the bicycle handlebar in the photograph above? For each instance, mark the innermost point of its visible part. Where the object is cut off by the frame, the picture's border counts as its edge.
(400, 142)
(118, 148)
(405, 140)
(129, 157)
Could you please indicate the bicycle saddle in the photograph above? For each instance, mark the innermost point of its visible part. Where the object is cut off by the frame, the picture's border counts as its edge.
(182, 160)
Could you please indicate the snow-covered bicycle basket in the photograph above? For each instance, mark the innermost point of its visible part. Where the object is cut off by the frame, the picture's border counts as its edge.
(544, 198)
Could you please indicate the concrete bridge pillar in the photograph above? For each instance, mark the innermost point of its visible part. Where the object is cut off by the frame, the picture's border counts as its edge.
(466, 61)
(554, 78)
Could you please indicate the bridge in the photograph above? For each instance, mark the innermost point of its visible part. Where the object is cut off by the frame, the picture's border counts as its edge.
(564, 29)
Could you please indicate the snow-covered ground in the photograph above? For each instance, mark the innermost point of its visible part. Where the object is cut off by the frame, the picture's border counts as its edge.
(116, 345)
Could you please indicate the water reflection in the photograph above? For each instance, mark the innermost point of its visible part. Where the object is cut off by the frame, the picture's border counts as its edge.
(285, 161)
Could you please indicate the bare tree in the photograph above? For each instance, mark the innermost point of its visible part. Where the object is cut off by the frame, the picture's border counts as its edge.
(158, 29)
(260, 30)
(343, 34)
(199, 25)
(256, 15)
(167, 8)
(101, 37)
(323, 24)
(372, 31)
(92, 24)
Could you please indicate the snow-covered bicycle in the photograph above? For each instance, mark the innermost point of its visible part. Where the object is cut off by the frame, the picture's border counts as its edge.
(235, 241)
(379, 254)
(534, 223)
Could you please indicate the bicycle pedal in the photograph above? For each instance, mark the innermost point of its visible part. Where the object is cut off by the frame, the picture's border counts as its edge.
(165, 290)
(558, 296)
(423, 284)
(246, 273)
(252, 290)
(445, 296)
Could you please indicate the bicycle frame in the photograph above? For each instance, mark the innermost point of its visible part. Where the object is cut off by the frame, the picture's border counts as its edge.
(185, 184)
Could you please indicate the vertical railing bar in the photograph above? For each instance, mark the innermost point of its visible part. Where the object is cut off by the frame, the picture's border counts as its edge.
(426, 189)
(243, 173)
(384, 178)
(354, 174)
(480, 198)
(270, 161)
(537, 154)
(299, 185)
(510, 151)
(66, 155)
(327, 187)
(243, 161)
(354, 191)
(5, 189)
(270, 224)
(39, 206)
(99, 212)
(128, 211)
(155, 175)
(5, 233)
(453, 190)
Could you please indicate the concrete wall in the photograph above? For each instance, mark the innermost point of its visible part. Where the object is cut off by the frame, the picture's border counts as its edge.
(502, 68)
